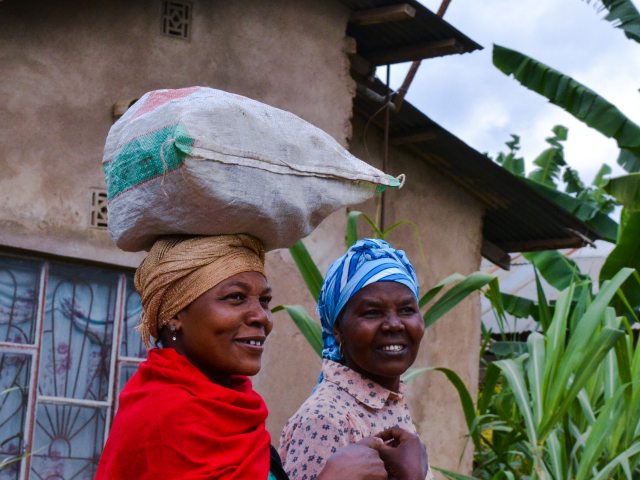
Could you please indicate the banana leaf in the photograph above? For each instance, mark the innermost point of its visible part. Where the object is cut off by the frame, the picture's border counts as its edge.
(555, 268)
(588, 212)
(562, 90)
(307, 267)
(624, 15)
(626, 254)
(309, 328)
(626, 189)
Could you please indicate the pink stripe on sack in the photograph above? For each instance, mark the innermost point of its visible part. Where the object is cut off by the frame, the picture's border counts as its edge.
(157, 98)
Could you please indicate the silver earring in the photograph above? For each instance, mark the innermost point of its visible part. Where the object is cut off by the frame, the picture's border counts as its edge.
(341, 350)
(172, 328)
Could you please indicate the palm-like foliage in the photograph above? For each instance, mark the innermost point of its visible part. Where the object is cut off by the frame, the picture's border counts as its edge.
(569, 406)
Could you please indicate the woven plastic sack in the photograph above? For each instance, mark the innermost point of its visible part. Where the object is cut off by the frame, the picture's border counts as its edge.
(201, 161)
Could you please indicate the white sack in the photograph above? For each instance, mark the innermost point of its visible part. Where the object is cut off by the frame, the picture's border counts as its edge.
(201, 161)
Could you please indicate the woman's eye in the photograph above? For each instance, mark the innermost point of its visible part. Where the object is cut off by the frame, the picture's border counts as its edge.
(265, 301)
(371, 313)
(407, 311)
(237, 297)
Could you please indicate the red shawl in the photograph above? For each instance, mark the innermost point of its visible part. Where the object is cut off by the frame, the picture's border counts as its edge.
(174, 423)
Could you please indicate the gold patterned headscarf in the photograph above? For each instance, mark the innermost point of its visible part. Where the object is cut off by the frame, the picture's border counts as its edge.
(177, 270)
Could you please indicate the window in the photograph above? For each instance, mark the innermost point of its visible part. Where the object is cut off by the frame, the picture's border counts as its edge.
(67, 346)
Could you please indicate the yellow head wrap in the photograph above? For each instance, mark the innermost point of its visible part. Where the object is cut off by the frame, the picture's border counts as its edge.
(177, 270)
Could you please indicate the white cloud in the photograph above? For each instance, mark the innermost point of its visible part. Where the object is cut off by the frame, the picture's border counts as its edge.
(470, 97)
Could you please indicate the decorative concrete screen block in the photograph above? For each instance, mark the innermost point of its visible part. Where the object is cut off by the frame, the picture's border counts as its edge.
(201, 161)
(176, 18)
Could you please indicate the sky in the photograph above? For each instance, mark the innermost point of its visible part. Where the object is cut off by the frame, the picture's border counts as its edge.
(475, 101)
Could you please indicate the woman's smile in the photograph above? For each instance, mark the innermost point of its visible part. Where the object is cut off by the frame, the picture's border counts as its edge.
(380, 331)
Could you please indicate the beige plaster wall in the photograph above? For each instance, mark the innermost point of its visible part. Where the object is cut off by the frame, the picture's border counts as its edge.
(450, 230)
(64, 64)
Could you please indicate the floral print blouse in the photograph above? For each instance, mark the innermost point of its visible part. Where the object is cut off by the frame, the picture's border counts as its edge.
(344, 408)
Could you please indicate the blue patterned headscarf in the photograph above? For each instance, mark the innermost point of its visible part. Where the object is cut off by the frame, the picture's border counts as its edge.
(367, 261)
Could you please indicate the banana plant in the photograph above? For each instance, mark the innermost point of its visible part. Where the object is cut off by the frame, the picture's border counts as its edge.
(433, 307)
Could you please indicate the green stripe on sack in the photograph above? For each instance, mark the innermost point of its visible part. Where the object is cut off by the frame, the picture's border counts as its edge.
(147, 157)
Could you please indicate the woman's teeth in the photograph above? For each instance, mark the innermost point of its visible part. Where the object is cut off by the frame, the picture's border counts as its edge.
(392, 348)
(255, 343)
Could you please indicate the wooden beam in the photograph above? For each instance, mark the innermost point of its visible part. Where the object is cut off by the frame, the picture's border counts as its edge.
(496, 255)
(374, 16)
(542, 244)
(415, 137)
(436, 48)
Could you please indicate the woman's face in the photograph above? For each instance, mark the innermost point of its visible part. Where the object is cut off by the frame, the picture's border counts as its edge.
(380, 332)
(223, 331)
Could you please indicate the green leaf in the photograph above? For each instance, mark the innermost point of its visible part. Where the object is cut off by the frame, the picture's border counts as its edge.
(626, 189)
(545, 312)
(632, 451)
(562, 90)
(310, 329)
(624, 15)
(587, 360)
(352, 227)
(507, 348)
(588, 212)
(625, 254)
(512, 371)
(598, 435)
(307, 267)
(535, 372)
(431, 294)
(555, 268)
(455, 295)
(629, 159)
(550, 162)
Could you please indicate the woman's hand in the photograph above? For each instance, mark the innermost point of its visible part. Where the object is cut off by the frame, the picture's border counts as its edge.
(404, 455)
(356, 461)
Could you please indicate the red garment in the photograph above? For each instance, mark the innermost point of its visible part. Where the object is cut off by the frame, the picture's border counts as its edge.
(174, 423)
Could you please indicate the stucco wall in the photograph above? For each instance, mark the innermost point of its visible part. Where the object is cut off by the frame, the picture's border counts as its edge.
(64, 64)
(450, 230)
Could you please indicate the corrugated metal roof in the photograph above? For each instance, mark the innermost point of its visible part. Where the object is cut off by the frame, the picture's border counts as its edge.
(517, 217)
(424, 35)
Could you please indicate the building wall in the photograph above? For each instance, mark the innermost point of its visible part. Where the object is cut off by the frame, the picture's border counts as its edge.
(64, 64)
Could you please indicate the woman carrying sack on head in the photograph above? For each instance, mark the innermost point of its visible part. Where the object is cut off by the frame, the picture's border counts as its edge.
(190, 411)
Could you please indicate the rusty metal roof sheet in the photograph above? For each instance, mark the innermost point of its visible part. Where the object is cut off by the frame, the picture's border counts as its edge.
(423, 35)
(517, 217)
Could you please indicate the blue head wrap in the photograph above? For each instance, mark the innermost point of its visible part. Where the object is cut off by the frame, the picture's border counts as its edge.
(367, 261)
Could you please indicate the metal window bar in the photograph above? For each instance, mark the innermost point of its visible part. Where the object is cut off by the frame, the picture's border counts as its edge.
(34, 351)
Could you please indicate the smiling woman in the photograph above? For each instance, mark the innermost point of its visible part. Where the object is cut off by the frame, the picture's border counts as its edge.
(190, 411)
(371, 334)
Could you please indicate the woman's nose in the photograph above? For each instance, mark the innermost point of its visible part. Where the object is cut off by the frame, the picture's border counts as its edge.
(393, 323)
(258, 314)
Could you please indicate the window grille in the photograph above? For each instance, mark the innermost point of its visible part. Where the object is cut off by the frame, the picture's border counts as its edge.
(176, 18)
(67, 346)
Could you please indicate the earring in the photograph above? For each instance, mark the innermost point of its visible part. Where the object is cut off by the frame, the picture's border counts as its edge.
(172, 329)
(341, 350)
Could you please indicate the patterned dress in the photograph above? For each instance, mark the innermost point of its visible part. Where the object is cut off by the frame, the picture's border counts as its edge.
(345, 408)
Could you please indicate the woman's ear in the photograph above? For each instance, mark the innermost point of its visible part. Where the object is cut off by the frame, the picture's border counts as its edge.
(337, 334)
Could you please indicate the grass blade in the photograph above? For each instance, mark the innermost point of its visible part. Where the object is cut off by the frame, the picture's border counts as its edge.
(307, 267)
(310, 329)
